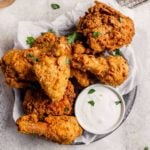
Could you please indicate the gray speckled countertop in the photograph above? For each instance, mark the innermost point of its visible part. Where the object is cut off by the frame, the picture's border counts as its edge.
(134, 134)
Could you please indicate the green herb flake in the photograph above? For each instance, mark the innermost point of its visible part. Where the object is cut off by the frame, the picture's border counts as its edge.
(91, 102)
(118, 102)
(30, 40)
(68, 61)
(51, 30)
(66, 109)
(55, 6)
(120, 19)
(118, 52)
(35, 59)
(146, 148)
(72, 37)
(91, 91)
(30, 55)
(96, 34)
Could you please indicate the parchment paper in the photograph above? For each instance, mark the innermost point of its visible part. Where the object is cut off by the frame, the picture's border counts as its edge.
(62, 26)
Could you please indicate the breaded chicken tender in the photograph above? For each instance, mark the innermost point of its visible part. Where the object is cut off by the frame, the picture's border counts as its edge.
(45, 42)
(37, 102)
(111, 70)
(61, 129)
(105, 28)
(53, 74)
(17, 66)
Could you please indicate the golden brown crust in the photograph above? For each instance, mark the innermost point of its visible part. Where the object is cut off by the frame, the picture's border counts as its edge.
(17, 66)
(53, 45)
(53, 73)
(78, 48)
(61, 129)
(118, 71)
(83, 78)
(45, 42)
(36, 102)
(60, 47)
(115, 29)
(112, 70)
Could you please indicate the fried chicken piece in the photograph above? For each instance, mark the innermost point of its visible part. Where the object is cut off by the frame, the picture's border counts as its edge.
(60, 47)
(111, 70)
(36, 102)
(61, 129)
(45, 42)
(105, 28)
(78, 48)
(53, 74)
(82, 78)
(53, 45)
(17, 66)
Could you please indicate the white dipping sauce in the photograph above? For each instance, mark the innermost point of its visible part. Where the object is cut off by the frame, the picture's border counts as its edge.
(100, 111)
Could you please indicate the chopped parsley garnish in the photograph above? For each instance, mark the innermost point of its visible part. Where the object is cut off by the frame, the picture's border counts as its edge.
(91, 91)
(73, 37)
(146, 148)
(34, 59)
(91, 102)
(120, 19)
(51, 30)
(96, 34)
(68, 61)
(55, 6)
(30, 40)
(30, 55)
(66, 109)
(117, 52)
(117, 102)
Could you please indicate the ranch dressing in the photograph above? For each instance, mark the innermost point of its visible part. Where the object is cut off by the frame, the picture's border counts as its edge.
(99, 109)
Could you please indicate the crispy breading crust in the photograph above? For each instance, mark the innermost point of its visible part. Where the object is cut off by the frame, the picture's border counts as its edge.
(61, 129)
(17, 66)
(61, 47)
(78, 48)
(53, 45)
(38, 103)
(114, 29)
(53, 74)
(45, 42)
(112, 70)
(83, 78)
(118, 71)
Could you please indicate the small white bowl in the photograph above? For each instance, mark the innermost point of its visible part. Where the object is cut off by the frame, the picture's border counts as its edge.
(84, 110)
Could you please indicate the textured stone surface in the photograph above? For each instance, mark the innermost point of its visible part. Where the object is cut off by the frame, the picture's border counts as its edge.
(134, 134)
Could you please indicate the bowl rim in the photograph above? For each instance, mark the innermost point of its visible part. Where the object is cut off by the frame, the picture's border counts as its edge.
(117, 124)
